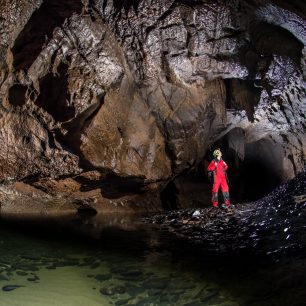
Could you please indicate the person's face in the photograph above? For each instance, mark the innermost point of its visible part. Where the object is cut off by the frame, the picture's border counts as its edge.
(219, 155)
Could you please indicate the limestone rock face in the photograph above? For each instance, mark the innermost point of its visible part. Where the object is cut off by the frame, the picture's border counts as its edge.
(142, 88)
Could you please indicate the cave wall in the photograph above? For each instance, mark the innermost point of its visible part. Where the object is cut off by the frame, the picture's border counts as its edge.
(143, 88)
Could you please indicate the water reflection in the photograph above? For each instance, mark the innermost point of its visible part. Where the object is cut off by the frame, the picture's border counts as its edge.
(115, 260)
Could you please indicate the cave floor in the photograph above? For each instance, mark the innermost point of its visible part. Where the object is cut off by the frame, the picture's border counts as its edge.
(251, 254)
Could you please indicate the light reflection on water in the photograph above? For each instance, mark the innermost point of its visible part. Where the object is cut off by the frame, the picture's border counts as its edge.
(114, 260)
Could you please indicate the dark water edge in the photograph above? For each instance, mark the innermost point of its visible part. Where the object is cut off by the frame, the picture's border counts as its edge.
(129, 263)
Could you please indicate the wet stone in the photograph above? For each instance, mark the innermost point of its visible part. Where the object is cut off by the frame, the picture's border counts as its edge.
(155, 284)
(31, 279)
(147, 302)
(133, 290)
(174, 298)
(112, 290)
(132, 273)
(3, 278)
(122, 302)
(154, 292)
(164, 299)
(27, 267)
(103, 277)
(11, 287)
(195, 304)
(30, 257)
(83, 264)
(95, 265)
(107, 291)
(185, 286)
(62, 264)
(206, 295)
(21, 273)
(116, 270)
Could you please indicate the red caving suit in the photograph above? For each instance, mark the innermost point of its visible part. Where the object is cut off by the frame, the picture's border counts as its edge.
(219, 168)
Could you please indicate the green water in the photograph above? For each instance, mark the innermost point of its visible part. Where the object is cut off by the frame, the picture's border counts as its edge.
(93, 263)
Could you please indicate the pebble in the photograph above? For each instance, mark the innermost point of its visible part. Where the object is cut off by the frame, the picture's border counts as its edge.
(21, 273)
(103, 277)
(112, 290)
(133, 290)
(11, 287)
(156, 284)
(122, 302)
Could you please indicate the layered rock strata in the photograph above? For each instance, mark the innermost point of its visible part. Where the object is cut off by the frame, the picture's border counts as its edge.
(138, 91)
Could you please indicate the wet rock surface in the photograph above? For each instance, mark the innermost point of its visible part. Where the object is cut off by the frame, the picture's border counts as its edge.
(235, 257)
(142, 89)
(273, 225)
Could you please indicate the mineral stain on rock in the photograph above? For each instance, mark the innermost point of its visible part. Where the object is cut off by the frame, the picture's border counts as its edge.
(110, 105)
(122, 108)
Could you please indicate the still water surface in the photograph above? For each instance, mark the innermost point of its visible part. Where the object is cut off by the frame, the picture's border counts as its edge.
(112, 260)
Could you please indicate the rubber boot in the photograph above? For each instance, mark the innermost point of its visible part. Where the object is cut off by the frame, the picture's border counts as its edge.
(226, 198)
(215, 199)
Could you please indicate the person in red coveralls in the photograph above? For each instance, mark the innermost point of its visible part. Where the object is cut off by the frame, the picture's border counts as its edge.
(218, 169)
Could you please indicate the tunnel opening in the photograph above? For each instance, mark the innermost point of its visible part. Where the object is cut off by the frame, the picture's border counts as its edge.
(17, 95)
(54, 95)
(39, 29)
(260, 171)
(255, 169)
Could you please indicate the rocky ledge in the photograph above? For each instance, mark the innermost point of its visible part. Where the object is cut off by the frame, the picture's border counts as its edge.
(138, 92)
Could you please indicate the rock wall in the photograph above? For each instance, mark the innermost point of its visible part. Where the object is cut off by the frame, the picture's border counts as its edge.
(141, 89)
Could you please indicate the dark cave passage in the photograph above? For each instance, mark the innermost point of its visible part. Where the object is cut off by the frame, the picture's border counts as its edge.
(16, 95)
(260, 172)
(39, 29)
(54, 96)
(268, 39)
(254, 171)
(254, 168)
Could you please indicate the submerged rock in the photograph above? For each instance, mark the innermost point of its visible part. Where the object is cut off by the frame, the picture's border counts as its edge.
(112, 290)
(11, 287)
(103, 277)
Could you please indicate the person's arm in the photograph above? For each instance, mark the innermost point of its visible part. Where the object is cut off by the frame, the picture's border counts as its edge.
(212, 166)
(225, 166)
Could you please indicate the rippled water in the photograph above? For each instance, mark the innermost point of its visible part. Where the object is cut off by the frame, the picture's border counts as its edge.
(111, 260)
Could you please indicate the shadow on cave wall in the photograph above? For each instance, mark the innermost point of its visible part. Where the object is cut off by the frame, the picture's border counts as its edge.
(54, 95)
(39, 29)
(113, 186)
(17, 95)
